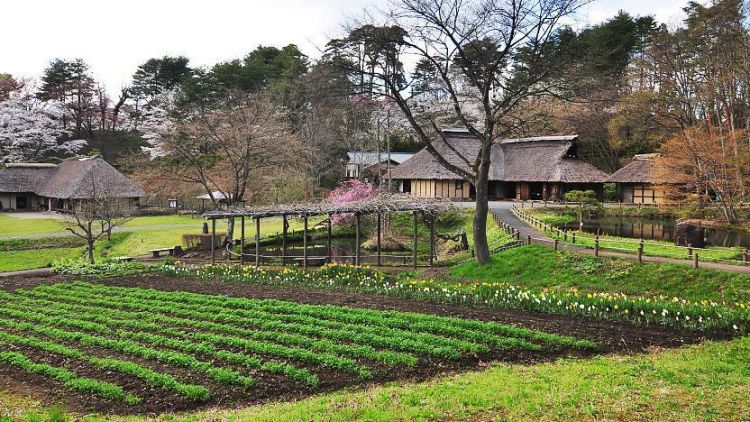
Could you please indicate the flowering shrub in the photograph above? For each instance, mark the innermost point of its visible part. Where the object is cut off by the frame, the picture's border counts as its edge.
(673, 312)
(105, 268)
(349, 191)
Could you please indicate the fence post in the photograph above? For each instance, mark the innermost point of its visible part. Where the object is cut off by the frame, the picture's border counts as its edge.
(518, 235)
(556, 242)
(565, 236)
(695, 260)
(596, 246)
(746, 255)
(690, 249)
(574, 237)
(640, 255)
(528, 239)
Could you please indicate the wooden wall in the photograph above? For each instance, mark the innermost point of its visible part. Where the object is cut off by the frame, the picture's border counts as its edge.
(643, 194)
(439, 189)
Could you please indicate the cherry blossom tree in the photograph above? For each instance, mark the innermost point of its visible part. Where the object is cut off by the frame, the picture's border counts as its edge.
(30, 129)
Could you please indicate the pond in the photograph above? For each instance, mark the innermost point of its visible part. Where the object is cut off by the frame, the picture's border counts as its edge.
(646, 228)
(342, 251)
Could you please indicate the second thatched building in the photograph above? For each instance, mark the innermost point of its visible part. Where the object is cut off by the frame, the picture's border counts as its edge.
(535, 168)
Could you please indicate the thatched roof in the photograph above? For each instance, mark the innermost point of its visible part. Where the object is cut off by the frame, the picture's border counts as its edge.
(637, 171)
(75, 178)
(537, 159)
(24, 178)
(380, 203)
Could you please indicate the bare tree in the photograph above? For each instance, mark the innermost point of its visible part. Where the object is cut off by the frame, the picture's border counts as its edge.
(94, 218)
(482, 59)
(226, 148)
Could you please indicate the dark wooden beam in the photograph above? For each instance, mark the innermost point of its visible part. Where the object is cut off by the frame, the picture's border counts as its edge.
(379, 235)
(284, 225)
(257, 242)
(357, 239)
(304, 244)
(414, 252)
(242, 240)
(213, 241)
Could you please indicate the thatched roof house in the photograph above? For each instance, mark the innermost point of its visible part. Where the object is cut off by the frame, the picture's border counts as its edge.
(543, 167)
(29, 186)
(635, 181)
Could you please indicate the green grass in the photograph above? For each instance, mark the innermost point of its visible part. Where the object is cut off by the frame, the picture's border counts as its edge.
(537, 267)
(164, 220)
(13, 226)
(709, 381)
(32, 259)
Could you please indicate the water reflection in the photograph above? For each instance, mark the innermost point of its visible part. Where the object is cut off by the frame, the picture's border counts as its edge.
(636, 228)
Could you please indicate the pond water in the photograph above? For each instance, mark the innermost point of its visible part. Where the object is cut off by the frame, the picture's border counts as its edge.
(342, 251)
(646, 228)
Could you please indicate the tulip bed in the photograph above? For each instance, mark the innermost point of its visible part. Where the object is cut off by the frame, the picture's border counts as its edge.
(125, 345)
(662, 310)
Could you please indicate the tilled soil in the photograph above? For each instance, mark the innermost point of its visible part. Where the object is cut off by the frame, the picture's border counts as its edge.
(613, 337)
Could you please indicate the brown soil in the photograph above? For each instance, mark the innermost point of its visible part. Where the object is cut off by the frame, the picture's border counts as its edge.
(614, 337)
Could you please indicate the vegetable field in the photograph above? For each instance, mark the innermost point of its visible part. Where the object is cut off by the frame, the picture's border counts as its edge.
(135, 350)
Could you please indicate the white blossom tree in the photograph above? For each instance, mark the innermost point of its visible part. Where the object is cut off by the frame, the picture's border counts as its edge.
(30, 129)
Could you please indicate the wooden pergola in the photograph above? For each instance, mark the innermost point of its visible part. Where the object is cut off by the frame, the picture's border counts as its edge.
(379, 205)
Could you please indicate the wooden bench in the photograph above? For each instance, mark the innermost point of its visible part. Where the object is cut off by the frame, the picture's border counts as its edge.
(156, 253)
(121, 258)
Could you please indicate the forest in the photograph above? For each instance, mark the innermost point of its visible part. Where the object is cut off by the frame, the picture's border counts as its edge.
(275, 125)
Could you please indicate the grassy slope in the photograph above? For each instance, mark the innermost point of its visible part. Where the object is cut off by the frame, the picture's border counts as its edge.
(537, 267)
(40, 258)
(707, 381)
(12, 226)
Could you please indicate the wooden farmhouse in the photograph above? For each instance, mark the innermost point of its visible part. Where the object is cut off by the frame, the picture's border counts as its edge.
(635, 182)
(537, 168)
(63, 187)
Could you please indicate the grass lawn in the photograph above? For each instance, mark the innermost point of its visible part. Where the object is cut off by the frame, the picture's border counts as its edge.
(139, 242)
(39, 258)
(709, 381)
(12, 226)
(164, 220)
(537, 267)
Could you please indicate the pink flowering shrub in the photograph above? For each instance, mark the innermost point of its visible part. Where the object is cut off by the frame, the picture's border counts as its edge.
(349, 191)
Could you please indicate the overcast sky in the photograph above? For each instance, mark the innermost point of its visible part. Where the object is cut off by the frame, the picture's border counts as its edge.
(115, 37)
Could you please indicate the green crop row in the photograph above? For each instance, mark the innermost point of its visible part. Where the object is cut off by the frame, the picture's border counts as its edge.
(375, 336)
(193, 392)
(371, 321)
(206, 341)
(69, 379)
(315, 315)
(231, 322)
(45, 324)
(196, 319)
(140, 321)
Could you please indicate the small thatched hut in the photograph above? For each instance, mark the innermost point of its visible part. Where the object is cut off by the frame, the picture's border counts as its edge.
(635, 182)
(32, 186)
(538, 168)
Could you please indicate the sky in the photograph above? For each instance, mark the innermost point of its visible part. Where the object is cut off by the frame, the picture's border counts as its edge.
(115, 37)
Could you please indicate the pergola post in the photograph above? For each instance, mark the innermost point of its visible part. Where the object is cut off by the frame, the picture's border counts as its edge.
(242, 240)
(357, 239)
(304, 244)
(284, 226)
(414, 252)
(432, 239)
(213, 241)
(330, 257)
(380, 229)
(257, 242)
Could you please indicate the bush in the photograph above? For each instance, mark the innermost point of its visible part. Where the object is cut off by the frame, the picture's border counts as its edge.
(106, 268)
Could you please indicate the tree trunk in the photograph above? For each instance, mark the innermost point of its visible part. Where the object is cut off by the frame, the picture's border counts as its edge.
(481, 247)
(230, 231)
(91, 251)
